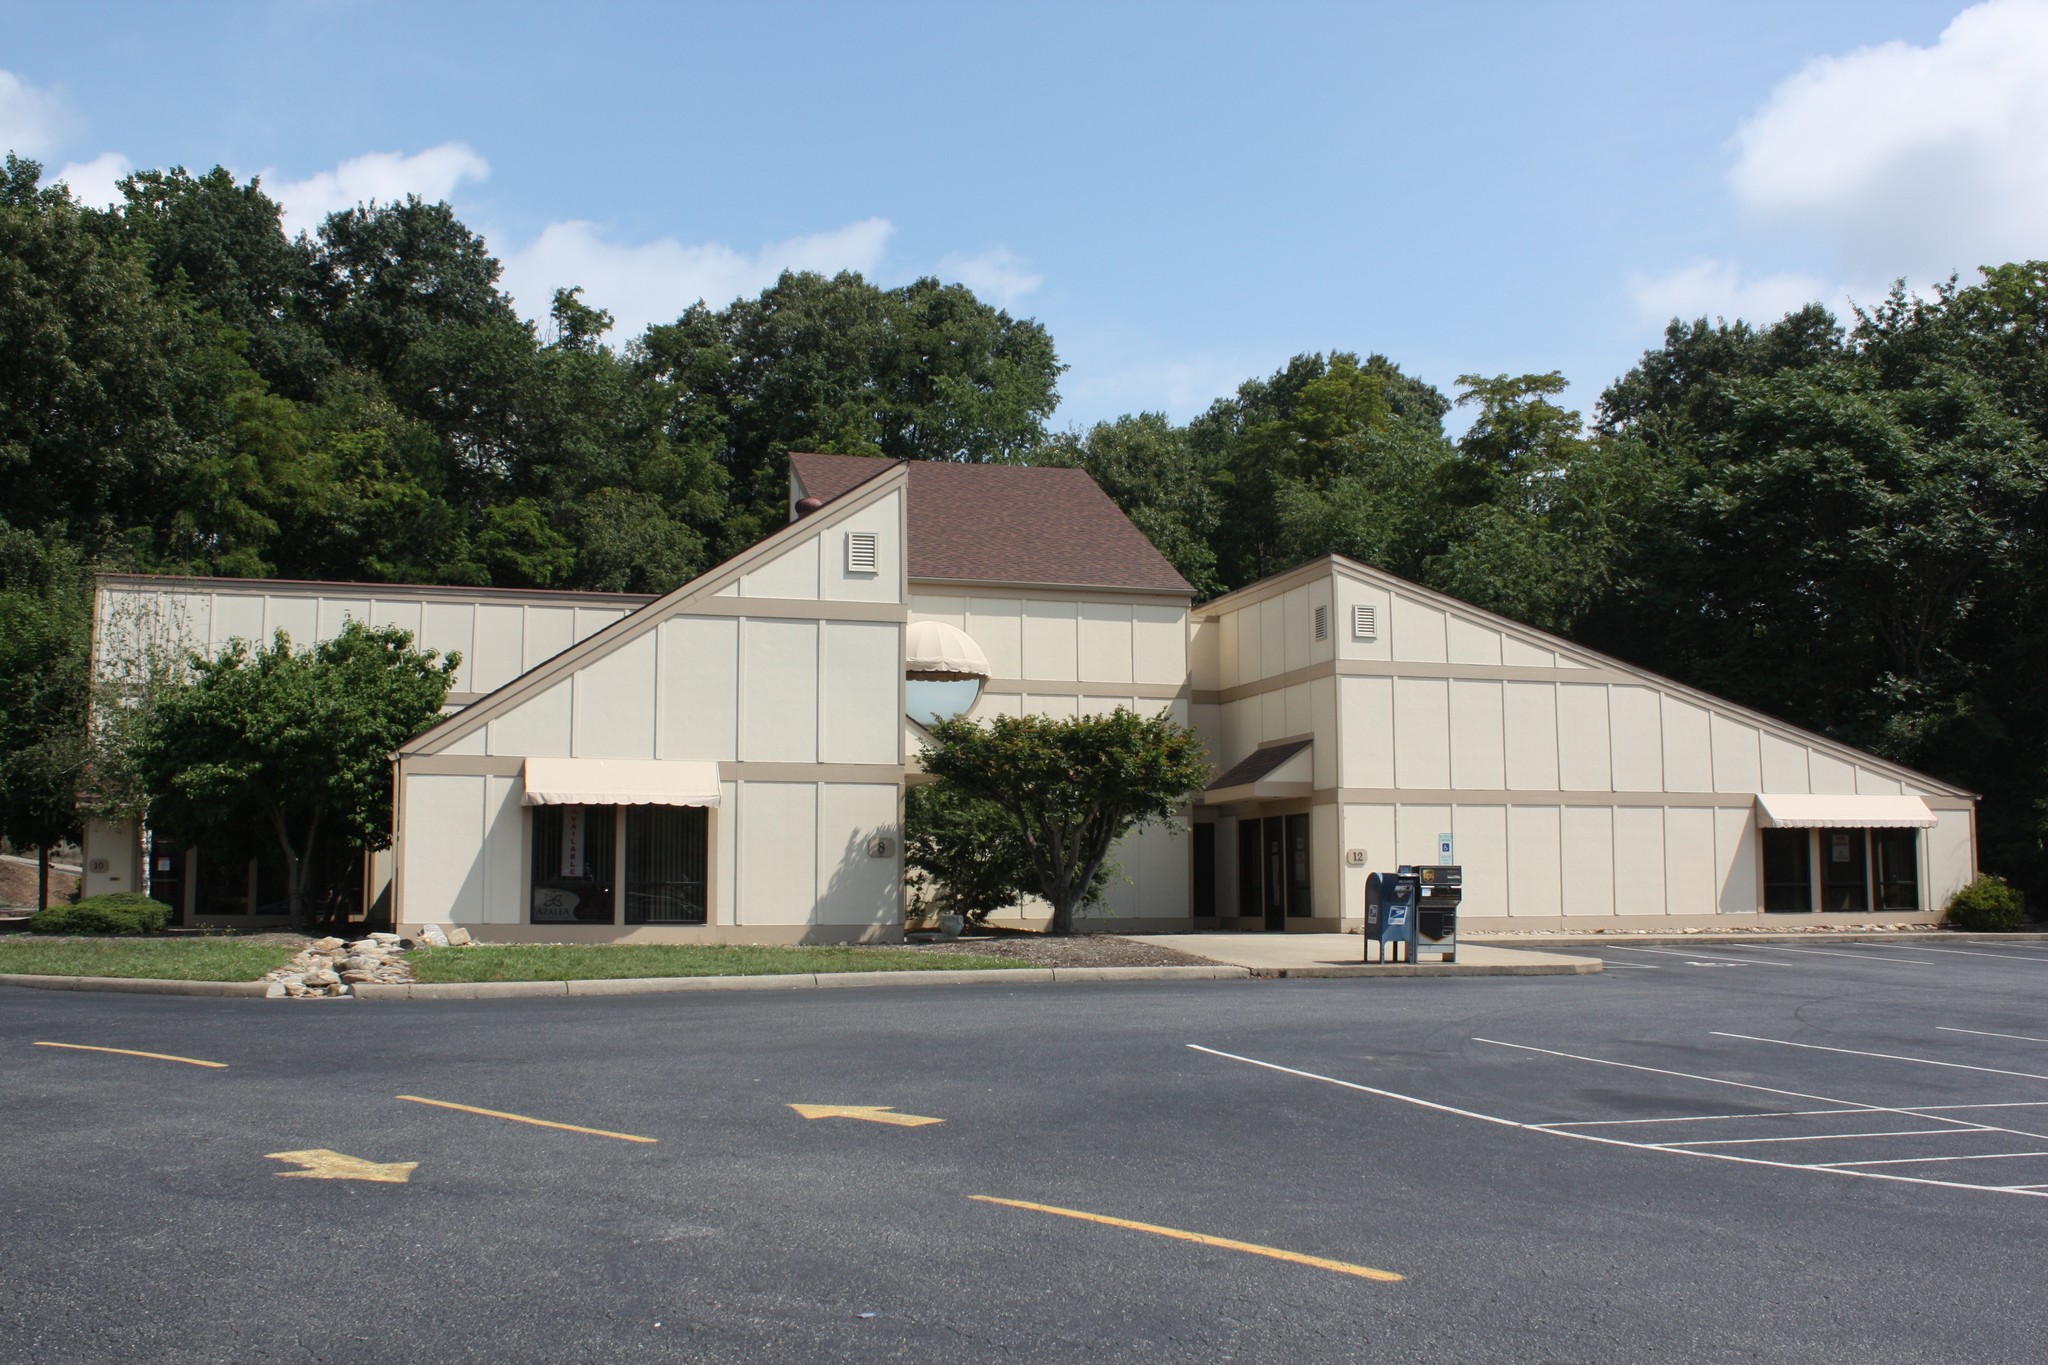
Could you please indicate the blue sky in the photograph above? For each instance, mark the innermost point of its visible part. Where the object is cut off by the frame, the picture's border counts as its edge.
(1185, 194)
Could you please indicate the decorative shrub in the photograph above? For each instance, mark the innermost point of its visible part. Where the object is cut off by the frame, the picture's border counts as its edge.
(1986, 906)
(123, 912)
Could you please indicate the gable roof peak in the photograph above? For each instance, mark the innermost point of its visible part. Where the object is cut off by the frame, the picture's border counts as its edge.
(1043, 525)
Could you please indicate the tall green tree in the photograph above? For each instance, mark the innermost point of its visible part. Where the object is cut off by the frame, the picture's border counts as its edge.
(294, 743)
(92, 371)
(45, 683)
(1302, 432)
(839, 365)
(1070, 788)
(1149, 468)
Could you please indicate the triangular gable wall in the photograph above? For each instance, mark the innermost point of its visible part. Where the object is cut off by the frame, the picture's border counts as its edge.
(794, 565)
(1470, 635)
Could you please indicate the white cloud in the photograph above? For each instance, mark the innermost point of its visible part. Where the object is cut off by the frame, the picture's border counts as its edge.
(1912, 160)
(384, 177)
(1097, 389)
(92, 182)
(998, 275)
(1721, 289)
(32, 120)
(653, 282)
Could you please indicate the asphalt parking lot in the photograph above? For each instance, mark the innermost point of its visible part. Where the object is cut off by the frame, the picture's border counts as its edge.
(1704, 1153)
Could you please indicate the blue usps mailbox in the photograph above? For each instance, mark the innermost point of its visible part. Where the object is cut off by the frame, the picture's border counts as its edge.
(1414, 908)
(1390, 899)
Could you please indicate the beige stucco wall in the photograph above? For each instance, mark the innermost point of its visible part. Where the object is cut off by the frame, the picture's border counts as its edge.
(788, 676)
(499, 633)
(1065, 653)
(1573, 787)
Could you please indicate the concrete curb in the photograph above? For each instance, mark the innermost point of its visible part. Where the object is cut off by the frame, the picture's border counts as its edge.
(135, 985)
(1537, 945)
(666, 985)
(1433, 969)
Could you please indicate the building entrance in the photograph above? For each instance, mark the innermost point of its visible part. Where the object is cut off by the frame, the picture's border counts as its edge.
(1273, 870)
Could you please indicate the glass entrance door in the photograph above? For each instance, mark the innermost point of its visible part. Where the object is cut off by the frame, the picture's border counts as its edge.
(1276, 873)
(1298, 906)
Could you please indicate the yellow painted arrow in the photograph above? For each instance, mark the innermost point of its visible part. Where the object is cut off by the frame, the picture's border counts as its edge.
(870, 1113)
(322, 1164)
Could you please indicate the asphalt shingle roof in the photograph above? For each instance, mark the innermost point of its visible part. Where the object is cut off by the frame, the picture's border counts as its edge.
(982, 523)
(1258, 763)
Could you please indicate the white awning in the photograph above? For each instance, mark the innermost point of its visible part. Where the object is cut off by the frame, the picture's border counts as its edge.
(1781, 810)
(933, 649)
(620, 782)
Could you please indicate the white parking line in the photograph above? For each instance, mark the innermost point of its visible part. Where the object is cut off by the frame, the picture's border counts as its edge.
(1631, 966)
(1696, 957)
(1825, 1137)
(2033, 1192)
(1999, 1104)
(1928, 1160)
(1959, 952)
(1771, 1090)
(1883, 1056)
(1836, 952)
(2020, 1037)
(1699, 1118)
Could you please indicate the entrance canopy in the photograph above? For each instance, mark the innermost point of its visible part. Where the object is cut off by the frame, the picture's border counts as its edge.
(620, 782)
(1781, 810)
(1273, 772)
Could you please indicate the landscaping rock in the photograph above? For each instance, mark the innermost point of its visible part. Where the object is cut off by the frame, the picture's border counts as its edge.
(459, 938)
(331, 967)
(432, 935)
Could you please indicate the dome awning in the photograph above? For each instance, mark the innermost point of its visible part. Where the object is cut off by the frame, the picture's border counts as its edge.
(935, 651)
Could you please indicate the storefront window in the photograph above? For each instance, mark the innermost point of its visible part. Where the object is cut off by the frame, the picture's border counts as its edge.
(572, 864)
(1788, 871)
(1859, 869)
(1844, 871)
(1898, 868)
(667, 855)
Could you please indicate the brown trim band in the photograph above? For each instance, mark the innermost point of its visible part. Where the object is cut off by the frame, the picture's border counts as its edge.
(798, 609)
(1394, 668)
(462, 765)
(511, 765)
(377, 592)
(1072, 592)
(1019, 687)
(878, 774)
(1385, 796)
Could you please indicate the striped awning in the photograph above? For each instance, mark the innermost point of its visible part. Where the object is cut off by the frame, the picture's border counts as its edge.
(620, 782)
(936, 651)
(1784, 810)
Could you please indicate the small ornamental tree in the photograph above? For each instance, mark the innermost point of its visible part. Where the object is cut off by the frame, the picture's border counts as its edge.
(293, 743)
(1070, 788)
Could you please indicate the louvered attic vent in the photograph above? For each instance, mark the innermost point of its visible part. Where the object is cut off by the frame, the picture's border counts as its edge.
(1364, 623)
(1322, 623)
(861, 552)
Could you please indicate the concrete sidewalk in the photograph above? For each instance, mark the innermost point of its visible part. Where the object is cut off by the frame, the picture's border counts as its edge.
(1295, 955)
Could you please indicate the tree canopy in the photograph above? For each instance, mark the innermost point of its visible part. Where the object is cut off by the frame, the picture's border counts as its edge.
(1837, 520)
(1070, 788)
(289, 747)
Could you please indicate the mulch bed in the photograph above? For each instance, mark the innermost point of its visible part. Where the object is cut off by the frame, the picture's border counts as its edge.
(18, 886)
(1081, 950)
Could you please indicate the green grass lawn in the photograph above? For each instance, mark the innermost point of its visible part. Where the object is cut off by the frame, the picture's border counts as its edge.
(556, 962)
(165, 959)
